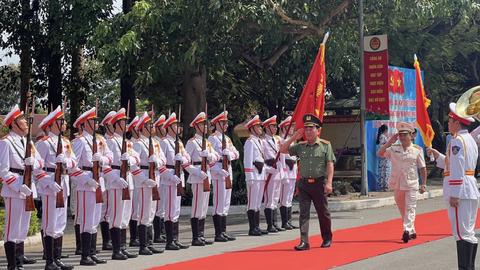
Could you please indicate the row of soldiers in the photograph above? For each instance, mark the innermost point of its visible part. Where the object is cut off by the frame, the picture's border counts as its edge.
(146, 196)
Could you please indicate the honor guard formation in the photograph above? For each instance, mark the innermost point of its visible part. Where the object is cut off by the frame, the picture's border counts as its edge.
(133, 178)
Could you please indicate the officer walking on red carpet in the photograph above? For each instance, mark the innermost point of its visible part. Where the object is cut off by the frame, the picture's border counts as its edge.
(316, 168)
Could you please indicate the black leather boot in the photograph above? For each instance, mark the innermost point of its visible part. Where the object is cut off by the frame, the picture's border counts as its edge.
(49, 263)
(162, 231)
(57, 254)
(257, 223)
(201, 232)
(175, 236)
(217, 223)
(10, 253)
(78, 240)
(86, 239)
(195, 239)
(93, 250)
(123, 245)
(269, 219)
(142, 237)
(170, 245)
(252, 224)
(464, 255)
(275, 224)
(44, 256)
(150, 246)
(21, 258)
(115, 234)
(474, 255)
(284, 217)
(224, 229)
(106, 238)
(157, 230)
(133, 225)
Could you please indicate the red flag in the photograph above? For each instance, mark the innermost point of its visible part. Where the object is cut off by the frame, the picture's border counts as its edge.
(312, 99)
(423, 119)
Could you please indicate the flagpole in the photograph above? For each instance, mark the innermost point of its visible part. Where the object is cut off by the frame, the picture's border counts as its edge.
(364, 186)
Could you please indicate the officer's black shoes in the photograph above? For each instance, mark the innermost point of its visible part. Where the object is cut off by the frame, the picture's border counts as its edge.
(302, 246)
(155, 250)
(280, 229)
(145, 251)
(254, 232)
(197, 242)
(87, 261)
(207, 242)
(326, 244)
(229, 237)
(405, 237)
(52, 266)
(180, 245)
(220, 238)
(171, 246)
(97, 260)
(62, 265)
(413, 236)
(128, 254)
(27, 260)
(119, 256)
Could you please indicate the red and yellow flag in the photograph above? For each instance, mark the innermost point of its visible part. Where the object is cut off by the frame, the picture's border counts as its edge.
(312, 99)
(423, 119)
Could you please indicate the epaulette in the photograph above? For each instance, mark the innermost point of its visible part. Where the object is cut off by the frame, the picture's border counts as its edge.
(324, 141)
(4, 137)
(302, 142)
(417, 146)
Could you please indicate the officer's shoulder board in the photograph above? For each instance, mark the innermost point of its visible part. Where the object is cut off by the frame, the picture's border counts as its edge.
(417, 146)
(324, 141)
(302, 142)
(277, 137)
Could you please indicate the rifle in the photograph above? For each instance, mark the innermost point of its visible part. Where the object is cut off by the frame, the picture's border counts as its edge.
(27, 175)
(124, 165)
(225, 161)
(151, 165)
(206, 182)
(96, 164)
(178, 163)
(59, 169)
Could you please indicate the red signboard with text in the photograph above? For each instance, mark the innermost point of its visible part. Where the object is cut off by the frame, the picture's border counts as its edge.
(376, 77)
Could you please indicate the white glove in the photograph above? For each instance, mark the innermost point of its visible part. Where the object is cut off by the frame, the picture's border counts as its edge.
(175, 179)
(155, 159)
(30, 161)
(150, 183)
(124, 156)
(25, 190)
(97, 157)
(55, 187)
(123, 182)
(178, 157)
(60, 158)
(227, 153)
(92, 183)
(271, 170)
(204, 153)
(223, 173)
(199, 173)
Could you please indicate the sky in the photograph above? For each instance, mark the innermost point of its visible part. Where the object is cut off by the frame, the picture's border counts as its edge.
(14, 59)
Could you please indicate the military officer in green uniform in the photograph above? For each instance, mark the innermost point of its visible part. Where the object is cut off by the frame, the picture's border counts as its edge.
(316, 161)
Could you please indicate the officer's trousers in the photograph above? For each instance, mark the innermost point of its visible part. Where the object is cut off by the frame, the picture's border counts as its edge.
(407, 202)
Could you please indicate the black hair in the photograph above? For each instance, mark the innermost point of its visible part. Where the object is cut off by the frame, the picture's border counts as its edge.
(381, 130)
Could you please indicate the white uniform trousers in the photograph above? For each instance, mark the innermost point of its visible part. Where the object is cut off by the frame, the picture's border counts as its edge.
(277, 193)
(407, 202)
(54, 220)
(462, 220)
(160, 208)
(199, 201)
(172, 202)
(116, 208)
(269, 199)
(254, 194)
(135, 205)
(287, 189)
(144, 210)
(89, 212)
(106, 205)
(221, 197)
(17, 220)
(127, 212)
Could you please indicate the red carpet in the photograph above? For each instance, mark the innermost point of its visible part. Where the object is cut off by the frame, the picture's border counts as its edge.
(349, 245)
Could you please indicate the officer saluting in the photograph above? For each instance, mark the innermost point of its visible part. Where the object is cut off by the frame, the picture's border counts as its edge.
(460, 186)
(316, 167)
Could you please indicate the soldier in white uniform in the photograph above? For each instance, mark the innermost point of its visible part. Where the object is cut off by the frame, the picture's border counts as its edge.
(221, 194)
(54, 220)
(159, 219)
(289, 178)
(88, 211)
(143, 183)
(460, 189)
(169, 182)
(253, 160)
(407, 160)
(119, 210)
(14, 191)
(104, 226)
(274, 169)
(197, 177)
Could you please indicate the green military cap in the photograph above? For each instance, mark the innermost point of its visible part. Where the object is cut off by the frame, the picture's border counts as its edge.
(310, 120)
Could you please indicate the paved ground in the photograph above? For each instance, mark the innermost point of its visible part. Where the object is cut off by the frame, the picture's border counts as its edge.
(434, 255)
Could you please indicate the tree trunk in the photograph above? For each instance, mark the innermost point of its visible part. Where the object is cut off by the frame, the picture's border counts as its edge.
(127, 93)
(194, 91)
(25, 54)
(54, 70)
(77, 92)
